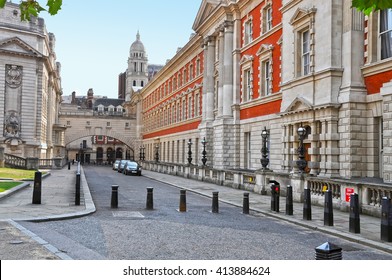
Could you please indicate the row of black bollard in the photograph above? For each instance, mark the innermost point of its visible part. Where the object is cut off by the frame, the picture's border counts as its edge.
(386, 219)
(77, 189)
(37, 188)
(275, 192)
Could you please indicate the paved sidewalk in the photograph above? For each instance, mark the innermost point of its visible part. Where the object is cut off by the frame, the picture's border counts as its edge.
(58, 202)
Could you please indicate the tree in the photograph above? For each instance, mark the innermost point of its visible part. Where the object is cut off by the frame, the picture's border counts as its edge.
(30, 8)
(33, 8)
(368, 6)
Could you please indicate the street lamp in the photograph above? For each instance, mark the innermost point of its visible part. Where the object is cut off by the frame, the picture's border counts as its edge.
(143, 154)
(301, 163)
(204, 153)
(264, 150)
(157, 153)
(190, 151)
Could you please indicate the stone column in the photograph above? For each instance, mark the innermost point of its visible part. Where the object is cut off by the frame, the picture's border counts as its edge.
(228, 69)
(314, 151)
(222, 48)
(294, 139)
(209, 78)
(386, 93)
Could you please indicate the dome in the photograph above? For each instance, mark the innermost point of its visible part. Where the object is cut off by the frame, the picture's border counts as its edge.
(137, 46)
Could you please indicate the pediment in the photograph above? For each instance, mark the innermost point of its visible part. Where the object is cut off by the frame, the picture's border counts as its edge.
(299, 104)
(301, 14)
(246, 58)
(265, 48)
(205, 10)
(17, 46)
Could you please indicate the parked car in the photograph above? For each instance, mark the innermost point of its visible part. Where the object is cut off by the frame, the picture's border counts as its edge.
(132, 167)
(121, 165)
(115, 164)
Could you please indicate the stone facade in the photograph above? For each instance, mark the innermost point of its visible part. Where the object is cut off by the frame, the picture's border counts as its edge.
(30, 88)
(270, 64)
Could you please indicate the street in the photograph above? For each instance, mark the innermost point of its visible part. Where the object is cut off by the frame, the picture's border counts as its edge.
(130, 232)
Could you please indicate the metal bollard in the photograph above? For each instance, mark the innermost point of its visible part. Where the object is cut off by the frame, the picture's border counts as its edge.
(328, 251)
(114, 199)
(328, 209)
(307, 209)
(69, 165)
(386, 220)
(150, 199)
(215, 202)
(77, 189)
(37, 187)
(289, 200)
(354, 223)
(273, 198)
(245, 204)
(182, 201)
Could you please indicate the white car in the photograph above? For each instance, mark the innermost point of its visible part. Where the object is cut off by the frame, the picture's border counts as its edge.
(115, 164)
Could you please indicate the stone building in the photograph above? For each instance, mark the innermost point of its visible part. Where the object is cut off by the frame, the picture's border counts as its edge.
(30, 88)
(280, 66)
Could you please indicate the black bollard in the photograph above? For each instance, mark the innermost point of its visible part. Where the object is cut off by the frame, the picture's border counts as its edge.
(182, 201)
(354, 223)
(215, 202)
(114, 199)
(328, 209)
(273, 197)
(307, 210)
(289, 200)
(150, 199)
(69, 165)
(386, 220)
(77, 189)
(328, 251)
(37, 187)
(245, 206)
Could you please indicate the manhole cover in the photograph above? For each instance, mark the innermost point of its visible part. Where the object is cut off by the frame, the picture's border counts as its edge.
(128, 214)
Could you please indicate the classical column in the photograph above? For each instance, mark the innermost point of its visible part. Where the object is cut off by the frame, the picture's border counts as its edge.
(228, 69)
(294, 140)
(209, 79)
(222, 48)
(314, 151)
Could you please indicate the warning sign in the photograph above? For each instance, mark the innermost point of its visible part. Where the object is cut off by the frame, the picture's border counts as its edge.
(349, 192)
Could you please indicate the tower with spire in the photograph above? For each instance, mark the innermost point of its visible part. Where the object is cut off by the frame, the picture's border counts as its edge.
(137, 72)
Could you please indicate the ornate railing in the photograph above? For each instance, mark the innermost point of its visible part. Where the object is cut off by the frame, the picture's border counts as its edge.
(15, 161)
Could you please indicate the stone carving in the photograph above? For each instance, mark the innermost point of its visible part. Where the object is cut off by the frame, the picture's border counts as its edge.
(13, 76)
(11, 126)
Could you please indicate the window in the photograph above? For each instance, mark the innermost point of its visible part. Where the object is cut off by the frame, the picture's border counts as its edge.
(305, 53)
(386, 33)
(190, 107)
(248, 30)
(68, 122)
(266, 78)
(183, 109)
(135, 66)
(197, 67)
(191, 72)
(87, 123)
(197, 101)
(267, 18)
(108, 124)
(247, 85)
(134, 83)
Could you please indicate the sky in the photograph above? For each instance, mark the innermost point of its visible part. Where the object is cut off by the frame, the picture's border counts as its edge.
(93, 38)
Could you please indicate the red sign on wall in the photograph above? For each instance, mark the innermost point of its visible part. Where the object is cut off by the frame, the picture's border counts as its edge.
(349, 192)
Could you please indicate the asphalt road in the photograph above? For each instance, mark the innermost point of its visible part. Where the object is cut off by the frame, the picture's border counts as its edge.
(131, 232)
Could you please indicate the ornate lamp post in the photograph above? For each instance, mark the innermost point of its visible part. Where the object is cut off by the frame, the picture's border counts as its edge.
(143, 153)
(301, 163)
(190, 151)
(157, 153)
(204, 153)
(264, 150)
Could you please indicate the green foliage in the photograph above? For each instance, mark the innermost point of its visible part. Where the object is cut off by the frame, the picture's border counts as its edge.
(30, 8)
(368, 6)
(8, 185)
(17, 174)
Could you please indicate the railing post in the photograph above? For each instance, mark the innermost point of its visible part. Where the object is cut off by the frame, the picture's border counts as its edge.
(37, 187)
(354, 214)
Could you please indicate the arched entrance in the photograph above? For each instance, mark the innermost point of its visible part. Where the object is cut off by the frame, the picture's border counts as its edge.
(99, 155)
